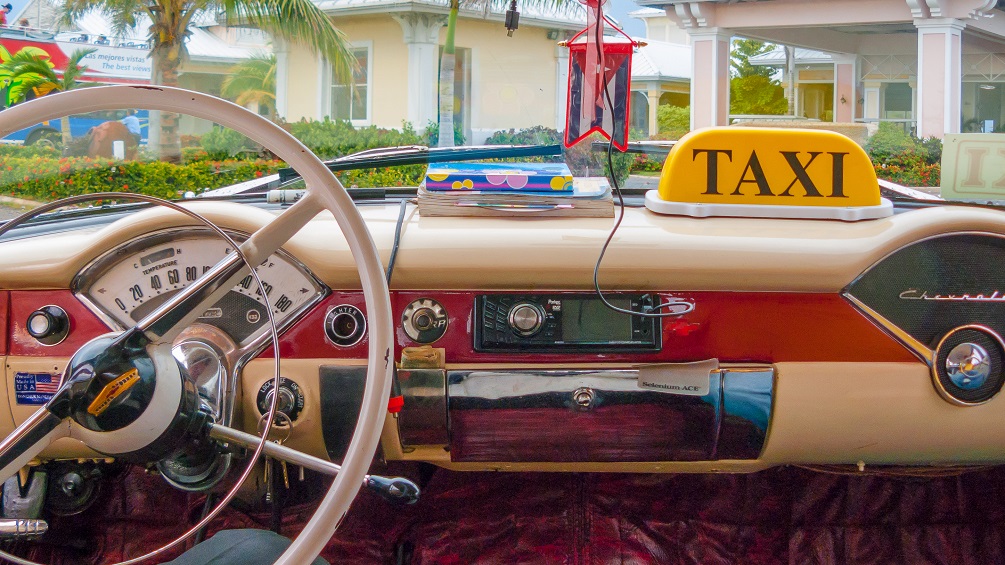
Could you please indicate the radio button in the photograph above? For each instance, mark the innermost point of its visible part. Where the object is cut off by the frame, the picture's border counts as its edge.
(526, 318)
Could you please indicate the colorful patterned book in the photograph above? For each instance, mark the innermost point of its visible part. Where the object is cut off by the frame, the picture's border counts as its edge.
(500, 177)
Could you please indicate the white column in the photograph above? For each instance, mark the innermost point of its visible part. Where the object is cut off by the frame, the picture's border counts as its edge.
(421, 33)
(282, 50)
(845, 81)
(561, 86)
(653, 93)
(940, 76)
(710, 77)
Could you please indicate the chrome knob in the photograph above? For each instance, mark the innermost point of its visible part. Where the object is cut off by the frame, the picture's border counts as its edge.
(968, 366)
(526, 318)
(49, 325)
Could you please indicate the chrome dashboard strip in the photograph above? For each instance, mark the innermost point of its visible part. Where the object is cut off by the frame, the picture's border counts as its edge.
(602, 415)
(923, 352)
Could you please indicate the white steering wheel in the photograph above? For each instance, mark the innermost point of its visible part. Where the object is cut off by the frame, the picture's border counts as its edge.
(142, 355)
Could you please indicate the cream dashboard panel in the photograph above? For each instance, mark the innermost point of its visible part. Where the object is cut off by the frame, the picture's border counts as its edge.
(650, 252)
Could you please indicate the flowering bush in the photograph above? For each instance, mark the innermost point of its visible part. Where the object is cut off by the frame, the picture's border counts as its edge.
(904, 159)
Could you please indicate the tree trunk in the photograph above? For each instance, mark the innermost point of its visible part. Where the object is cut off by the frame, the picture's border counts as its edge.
(447, 62)
(166, 68)
(64, 125)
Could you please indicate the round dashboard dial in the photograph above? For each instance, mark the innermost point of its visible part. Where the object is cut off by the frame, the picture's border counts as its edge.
(128, 283)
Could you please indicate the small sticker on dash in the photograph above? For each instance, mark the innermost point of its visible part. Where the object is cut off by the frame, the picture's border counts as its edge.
(691, 379)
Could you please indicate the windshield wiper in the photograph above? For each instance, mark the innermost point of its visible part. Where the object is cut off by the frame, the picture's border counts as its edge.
(420, 155)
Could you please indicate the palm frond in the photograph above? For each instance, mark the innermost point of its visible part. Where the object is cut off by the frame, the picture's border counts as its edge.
(300, 22)
(74, 70)
(122, 13)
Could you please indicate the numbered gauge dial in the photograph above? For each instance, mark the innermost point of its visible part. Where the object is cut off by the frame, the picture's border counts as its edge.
(128, 283)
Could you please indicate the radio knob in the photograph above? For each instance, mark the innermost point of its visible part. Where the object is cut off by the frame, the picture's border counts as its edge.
(526, 318)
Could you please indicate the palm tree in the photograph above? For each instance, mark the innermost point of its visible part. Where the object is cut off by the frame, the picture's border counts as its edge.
(448, 63)
(299, 21)
(29, 72)
(253, 81)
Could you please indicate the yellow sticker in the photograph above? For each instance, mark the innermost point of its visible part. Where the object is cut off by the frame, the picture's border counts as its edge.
(112, 391)
(770, 166)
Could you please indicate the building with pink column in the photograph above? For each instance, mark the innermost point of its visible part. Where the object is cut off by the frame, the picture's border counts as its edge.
(935, 66)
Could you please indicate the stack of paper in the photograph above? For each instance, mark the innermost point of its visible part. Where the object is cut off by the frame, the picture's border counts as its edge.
(512, 189)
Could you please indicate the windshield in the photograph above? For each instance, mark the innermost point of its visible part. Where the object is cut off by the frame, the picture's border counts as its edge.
(442, 75)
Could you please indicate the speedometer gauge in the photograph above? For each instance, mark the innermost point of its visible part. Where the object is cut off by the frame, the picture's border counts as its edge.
(128, 283)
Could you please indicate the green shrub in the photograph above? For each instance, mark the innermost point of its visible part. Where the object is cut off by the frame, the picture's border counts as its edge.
(673, 121)
(584, 161)
(48, 179)
(386, 177)
(433, 134)
(537, 135)
(904, 159)
(223, 143)
(888, 141)
(329, 139)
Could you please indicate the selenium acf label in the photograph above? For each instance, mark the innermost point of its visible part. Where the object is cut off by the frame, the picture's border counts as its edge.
(35, 388)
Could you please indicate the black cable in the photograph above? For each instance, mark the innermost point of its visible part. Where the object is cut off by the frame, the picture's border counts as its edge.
(206, 507)
(652, 311)
(397, 240)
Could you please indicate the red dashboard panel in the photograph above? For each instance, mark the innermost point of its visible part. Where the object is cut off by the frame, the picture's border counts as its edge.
(733, 327)
(84, 325)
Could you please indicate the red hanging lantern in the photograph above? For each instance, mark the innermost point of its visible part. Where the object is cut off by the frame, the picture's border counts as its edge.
(600, 75)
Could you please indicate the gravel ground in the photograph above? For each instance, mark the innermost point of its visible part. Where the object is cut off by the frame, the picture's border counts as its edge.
(7, 212)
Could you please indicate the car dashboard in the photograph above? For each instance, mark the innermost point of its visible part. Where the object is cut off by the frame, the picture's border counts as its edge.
(786, 342)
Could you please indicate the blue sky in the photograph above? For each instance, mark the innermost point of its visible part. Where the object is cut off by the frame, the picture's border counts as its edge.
(618, 9)
(18, 6)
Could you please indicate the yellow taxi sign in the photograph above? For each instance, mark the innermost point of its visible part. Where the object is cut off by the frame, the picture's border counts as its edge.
(769, 172)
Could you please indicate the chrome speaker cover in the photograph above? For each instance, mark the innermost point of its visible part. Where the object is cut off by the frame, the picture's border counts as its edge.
(968, 365)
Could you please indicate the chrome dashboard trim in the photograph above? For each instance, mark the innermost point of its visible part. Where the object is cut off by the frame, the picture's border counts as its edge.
(921, 350)
(933, 370)
(529, 415)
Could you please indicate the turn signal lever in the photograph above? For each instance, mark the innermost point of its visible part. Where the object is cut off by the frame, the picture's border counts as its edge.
(22, 529)
(395, 489)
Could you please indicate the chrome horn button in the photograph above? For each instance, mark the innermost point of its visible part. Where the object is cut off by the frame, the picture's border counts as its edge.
(968, 366)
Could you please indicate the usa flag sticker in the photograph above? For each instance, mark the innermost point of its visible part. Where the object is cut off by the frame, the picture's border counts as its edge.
(35, 388)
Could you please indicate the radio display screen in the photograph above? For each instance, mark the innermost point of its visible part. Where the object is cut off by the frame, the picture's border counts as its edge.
(589, 320)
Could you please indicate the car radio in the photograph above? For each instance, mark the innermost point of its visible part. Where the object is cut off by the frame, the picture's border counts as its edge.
(564, 322)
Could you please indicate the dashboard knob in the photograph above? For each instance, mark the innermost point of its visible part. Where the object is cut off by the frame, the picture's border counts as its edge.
(345, 325)
(49, 325)
(424, 320)
(526, 318)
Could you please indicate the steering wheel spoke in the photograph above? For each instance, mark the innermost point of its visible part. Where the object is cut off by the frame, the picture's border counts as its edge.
(29, 439)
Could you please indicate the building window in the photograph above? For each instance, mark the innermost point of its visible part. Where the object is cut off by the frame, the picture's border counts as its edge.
(640, 112)
(350, 100)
